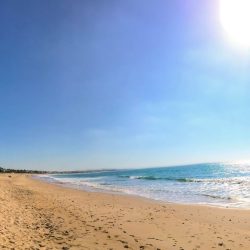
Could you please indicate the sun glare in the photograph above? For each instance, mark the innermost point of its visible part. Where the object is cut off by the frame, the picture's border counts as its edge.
(235, 19)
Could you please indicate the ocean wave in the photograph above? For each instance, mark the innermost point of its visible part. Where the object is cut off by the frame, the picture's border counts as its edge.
(218, 197)
(152, 178)
(230, 181)
(236, 180)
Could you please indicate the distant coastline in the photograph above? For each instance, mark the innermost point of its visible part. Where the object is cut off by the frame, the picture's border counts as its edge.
(27, 171)
(21, 171)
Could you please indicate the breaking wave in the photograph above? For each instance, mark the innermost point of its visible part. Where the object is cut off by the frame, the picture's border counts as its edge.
(154, 178)
(236, 180)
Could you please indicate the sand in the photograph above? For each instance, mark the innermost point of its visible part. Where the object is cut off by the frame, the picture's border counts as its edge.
(38, 215)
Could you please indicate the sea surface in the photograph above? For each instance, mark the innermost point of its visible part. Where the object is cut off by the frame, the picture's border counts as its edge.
(216, 184)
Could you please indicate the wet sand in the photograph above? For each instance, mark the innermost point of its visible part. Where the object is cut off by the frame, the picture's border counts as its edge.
(38, 215)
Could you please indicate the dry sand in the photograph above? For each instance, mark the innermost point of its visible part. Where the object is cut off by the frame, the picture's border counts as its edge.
(37, 215)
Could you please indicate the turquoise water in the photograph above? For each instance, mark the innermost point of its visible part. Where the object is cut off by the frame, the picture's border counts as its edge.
(213, 184)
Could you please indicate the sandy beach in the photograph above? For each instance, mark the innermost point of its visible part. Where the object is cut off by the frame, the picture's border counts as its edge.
(38, 215)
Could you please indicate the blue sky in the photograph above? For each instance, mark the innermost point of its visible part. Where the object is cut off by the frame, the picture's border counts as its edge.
(114, 84)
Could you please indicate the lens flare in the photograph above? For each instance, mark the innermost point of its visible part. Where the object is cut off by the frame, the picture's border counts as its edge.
(235, 19)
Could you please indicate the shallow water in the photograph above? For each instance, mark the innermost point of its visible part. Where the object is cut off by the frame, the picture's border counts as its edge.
(217, 184)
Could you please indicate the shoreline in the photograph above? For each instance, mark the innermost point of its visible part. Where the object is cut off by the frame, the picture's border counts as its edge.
(43, 215)
(120, 193)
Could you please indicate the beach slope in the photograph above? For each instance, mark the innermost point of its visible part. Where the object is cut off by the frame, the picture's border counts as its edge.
(38, 215)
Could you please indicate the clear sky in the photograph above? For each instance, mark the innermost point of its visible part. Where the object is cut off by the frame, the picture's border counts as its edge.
(114, 84)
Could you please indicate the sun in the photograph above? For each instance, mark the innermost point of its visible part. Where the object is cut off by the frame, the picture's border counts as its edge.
(235, 19)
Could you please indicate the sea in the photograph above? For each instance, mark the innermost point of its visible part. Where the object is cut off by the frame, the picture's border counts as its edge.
(216, 184)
